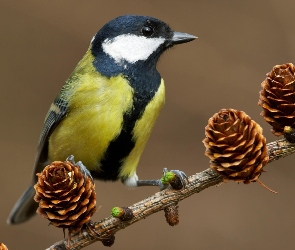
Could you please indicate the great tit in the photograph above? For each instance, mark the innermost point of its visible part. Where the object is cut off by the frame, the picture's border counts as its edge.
(106, 110)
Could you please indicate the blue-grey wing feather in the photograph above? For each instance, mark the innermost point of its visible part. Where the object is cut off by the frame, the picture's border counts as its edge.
(55, 114)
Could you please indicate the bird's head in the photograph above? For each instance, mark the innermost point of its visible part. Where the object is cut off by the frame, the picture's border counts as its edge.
(131, 39)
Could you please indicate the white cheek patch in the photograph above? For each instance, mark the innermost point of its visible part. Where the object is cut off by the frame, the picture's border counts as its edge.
(131, 48)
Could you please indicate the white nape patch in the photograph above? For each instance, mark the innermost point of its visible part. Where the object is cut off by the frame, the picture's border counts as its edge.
(92, 39)
(131, 181)
(131, 48)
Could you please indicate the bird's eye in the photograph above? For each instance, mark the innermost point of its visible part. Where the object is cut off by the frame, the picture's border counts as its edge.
(147, 30)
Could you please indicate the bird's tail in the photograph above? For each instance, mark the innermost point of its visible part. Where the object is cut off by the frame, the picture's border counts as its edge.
(24, 208)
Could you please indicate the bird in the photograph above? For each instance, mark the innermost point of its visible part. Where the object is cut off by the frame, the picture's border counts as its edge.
(105, 112)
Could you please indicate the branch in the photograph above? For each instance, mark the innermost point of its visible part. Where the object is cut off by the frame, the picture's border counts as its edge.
(279, 149)
(106, 228)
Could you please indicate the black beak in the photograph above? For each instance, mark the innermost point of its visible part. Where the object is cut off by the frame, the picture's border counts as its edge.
(179, 37)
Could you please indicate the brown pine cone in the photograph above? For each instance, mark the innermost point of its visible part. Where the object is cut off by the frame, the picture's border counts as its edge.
(3, 247)
(66, 197)
(277, 98)
(235, 145)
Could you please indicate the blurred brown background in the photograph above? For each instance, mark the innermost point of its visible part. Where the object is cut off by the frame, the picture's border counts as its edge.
(239, 42)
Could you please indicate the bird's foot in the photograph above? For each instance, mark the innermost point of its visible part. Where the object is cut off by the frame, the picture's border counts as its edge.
(158, 183)
(176, 178)
(79, 164)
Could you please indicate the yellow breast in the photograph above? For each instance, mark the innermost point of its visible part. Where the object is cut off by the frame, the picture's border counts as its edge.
(95, 116)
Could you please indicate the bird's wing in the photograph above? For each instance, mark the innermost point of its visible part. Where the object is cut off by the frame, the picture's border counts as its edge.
(56, 113)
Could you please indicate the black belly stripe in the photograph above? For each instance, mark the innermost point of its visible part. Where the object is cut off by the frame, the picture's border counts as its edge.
(123, 144)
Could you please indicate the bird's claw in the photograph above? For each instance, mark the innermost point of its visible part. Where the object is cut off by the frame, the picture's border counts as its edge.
(177, 180)
(182, 176)
(79, 164)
